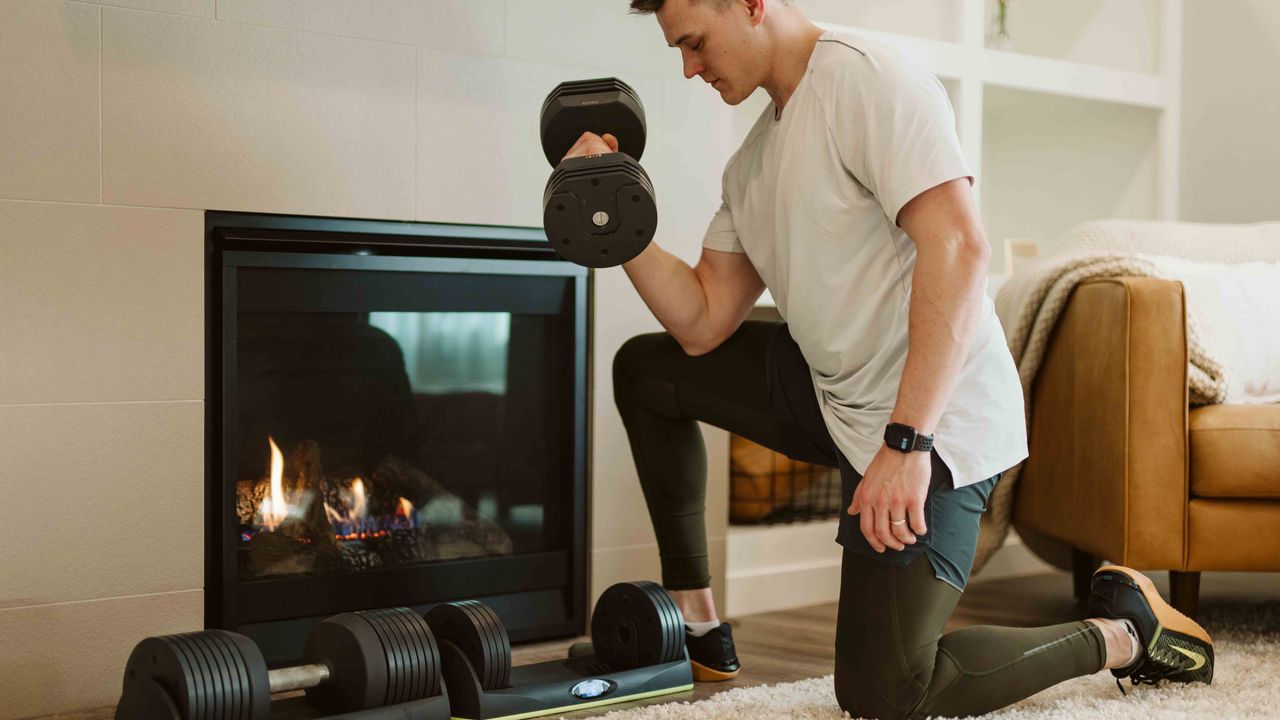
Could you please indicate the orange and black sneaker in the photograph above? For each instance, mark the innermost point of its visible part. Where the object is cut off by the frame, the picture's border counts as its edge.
(1173, 646)
(712, 655)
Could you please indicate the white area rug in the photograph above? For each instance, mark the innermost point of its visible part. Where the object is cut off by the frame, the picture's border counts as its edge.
(1246, 685)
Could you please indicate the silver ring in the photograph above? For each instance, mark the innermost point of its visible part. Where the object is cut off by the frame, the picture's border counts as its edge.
(898, 522)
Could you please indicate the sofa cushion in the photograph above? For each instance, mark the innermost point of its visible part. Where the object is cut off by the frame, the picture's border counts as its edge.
(1235, 451)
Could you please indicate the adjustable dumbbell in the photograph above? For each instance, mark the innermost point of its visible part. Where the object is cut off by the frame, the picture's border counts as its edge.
(351, 662)
(637, 634)
(598, 210)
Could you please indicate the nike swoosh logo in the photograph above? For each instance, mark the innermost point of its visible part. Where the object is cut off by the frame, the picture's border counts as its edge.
(1197, 657)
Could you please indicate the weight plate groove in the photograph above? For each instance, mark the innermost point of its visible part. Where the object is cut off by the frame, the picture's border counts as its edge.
(237, 674)
(217, 676)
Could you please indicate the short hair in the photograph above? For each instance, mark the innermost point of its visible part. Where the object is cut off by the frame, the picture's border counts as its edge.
(648, 7)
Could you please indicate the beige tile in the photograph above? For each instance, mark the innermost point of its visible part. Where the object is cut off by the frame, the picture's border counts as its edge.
(591, 34)
(100, 303)
(464, 25)
(71, 656)
(100, 500)
(194, 8)
(49, 60)
(480, 156)
(218, 115)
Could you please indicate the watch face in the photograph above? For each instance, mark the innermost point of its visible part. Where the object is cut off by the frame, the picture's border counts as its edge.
(899, 437)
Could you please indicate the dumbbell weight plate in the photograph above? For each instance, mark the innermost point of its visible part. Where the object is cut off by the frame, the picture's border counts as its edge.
(428, 650)
(479, 634)
(394, 656)
(675, 620)
(357, 659)
(599, 106)
(199, 678)
(256, 685)
(220, 699)
(581, 188)
(417, 686)
(630, 628)
(665, 622)
(236, 673)
(417, 648)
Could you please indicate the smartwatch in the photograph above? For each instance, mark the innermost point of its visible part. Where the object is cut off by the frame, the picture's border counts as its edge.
(906, 439)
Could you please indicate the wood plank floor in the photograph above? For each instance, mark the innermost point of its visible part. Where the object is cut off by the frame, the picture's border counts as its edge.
(797, 644)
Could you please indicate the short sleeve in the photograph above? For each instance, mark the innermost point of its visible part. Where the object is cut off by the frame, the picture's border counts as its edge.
(894, 128)
(721, 235)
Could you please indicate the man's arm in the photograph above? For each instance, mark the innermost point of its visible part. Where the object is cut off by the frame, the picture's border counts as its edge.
(700, 306)
(946, 294)
(947, 286)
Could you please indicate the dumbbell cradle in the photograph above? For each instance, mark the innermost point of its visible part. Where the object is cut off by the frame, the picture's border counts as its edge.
(598, 210)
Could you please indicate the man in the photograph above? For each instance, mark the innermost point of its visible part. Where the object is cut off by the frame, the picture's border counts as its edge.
(851, 201)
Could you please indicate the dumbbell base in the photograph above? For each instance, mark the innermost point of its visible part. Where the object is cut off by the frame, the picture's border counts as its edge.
(149, 701)
(547, 687)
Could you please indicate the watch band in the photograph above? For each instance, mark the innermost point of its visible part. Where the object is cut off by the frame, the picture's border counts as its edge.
(906, 439)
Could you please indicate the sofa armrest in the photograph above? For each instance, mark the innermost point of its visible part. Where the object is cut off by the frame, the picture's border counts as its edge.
(1108, 465)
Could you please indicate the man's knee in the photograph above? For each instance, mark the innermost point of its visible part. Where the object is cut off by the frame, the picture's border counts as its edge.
(880, 693)
(638, 355)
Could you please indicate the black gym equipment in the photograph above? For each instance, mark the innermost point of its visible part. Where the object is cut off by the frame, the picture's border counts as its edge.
(598, 210)
(370, 665)
(637, 633)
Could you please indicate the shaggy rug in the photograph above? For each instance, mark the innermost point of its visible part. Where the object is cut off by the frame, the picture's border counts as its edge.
(1246, 685)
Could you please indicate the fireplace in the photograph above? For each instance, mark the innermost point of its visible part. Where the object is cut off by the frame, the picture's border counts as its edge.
(396, 416)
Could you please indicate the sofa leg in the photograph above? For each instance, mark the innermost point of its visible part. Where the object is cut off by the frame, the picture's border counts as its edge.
(1082, 566)
(1184, 591)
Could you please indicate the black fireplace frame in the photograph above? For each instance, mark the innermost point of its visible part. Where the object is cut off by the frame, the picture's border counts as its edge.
(538, 595)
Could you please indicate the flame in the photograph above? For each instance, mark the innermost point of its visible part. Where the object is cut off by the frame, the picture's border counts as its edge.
(274, 508)
(405, 510)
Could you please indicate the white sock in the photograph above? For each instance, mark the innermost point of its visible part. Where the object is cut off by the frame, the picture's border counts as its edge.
(700, 629)
(1135, 645)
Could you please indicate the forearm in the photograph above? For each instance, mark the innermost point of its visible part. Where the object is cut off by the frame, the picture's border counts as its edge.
(947, 289)
(674, 293)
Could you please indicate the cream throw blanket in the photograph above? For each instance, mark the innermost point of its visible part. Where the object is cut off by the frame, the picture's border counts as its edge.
(1030, 302)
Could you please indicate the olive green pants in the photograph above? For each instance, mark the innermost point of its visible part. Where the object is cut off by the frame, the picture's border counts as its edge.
(892, 659)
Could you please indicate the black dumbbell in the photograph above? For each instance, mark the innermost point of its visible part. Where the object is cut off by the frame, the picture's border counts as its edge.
(353, 661)
(598, 210)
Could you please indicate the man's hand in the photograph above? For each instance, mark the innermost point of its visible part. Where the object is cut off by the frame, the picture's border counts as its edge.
(592, 144)
(894, 488)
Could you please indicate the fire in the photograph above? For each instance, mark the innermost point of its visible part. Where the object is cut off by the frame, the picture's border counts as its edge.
(274, 508)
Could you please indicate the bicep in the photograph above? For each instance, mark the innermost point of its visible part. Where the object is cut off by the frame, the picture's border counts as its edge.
(732, 286)
(943, 213)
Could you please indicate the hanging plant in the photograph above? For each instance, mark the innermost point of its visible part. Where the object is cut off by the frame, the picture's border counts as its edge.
(998, 37)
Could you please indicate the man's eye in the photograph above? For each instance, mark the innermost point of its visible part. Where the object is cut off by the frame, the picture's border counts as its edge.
(698, 46)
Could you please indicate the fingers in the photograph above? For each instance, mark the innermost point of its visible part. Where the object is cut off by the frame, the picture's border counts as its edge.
(917, 518)
(901, 532)
(591, 144)
(883, 532)
(867, 523)
(611, 141)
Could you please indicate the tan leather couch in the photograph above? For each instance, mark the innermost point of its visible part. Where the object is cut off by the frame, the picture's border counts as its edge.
(1121, 469)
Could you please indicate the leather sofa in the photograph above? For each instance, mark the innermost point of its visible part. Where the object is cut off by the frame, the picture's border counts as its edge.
(1122, 469)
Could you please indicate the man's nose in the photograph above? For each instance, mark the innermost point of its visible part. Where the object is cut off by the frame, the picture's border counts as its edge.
(692, 68)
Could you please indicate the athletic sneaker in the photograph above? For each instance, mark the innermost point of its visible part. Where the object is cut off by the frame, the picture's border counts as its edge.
(712, 655)
(1174, 647)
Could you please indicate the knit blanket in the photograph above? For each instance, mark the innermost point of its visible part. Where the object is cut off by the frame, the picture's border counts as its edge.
(1030, 302)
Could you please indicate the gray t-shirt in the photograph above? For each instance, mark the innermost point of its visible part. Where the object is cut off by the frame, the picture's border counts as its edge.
(812, 197)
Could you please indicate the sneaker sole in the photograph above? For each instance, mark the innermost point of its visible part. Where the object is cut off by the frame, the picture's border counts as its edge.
(1166, 614)
(702, 673)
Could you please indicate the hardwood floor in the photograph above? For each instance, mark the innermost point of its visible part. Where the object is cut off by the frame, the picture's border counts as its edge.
(797, 644)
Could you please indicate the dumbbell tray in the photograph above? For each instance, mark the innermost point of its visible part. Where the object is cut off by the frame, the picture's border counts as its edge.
(546, 687)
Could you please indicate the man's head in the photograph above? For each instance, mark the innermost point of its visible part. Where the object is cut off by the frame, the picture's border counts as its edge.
(725, 42)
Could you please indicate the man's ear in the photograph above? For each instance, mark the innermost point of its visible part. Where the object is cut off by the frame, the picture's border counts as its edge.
(755, 10)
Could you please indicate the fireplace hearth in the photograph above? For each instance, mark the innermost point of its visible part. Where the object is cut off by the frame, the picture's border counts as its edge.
(396, 416)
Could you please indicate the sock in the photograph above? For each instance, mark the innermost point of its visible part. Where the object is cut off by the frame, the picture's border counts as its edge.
(700, 629)
(1134, 643)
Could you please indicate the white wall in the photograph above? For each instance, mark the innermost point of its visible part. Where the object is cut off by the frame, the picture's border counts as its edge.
(1231, 112)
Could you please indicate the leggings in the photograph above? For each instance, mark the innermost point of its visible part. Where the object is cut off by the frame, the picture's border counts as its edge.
(891, 658)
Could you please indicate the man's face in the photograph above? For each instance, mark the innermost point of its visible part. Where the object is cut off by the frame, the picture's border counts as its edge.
(718, 44)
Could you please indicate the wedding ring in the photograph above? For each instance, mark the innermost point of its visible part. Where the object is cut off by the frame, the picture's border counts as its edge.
(898, 522)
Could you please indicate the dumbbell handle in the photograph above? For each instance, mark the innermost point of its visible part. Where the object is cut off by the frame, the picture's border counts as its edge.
(298, 677)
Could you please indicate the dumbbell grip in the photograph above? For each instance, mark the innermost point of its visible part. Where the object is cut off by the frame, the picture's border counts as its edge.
(298, 677)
